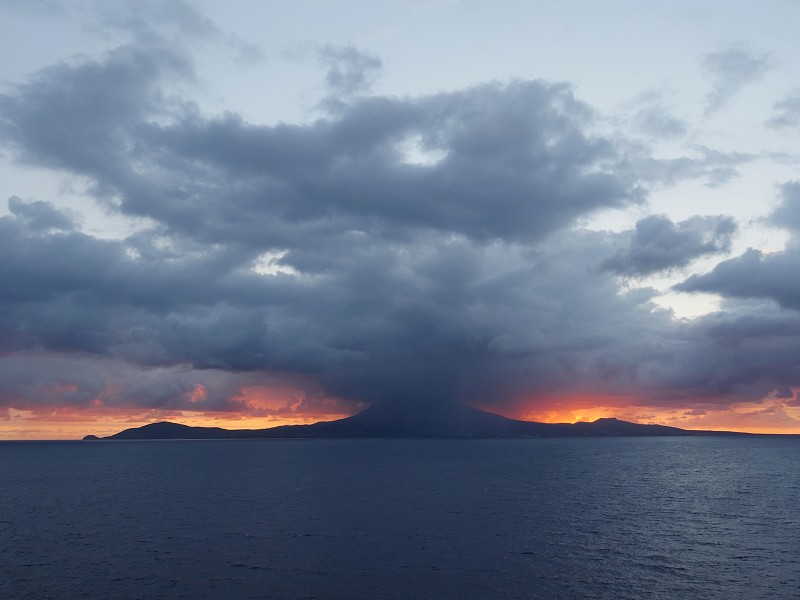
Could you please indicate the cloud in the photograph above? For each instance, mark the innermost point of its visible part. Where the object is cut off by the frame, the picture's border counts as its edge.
(785, 113)
(515, 160)
(730, 71)
(659, 244)
(40, 215)
(756, 336)
(147, 18)
(656, 122)
(716, 167)
(245, 53)
(753, 275)
(34, 381)
(350, 71)
(38, 7)
(746, 351)
(421, 249)
(494, 324)
(41, 382)
(172, 19)
(653, 118)
(434, 318)
(787, 213)
(81, 117)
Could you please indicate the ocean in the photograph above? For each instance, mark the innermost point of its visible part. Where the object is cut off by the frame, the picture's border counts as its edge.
(611, 518)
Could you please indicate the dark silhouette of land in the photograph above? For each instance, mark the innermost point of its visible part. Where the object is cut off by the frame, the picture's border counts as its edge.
(445, 420)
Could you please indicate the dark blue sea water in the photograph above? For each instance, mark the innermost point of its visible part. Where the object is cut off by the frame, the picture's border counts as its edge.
(608, 518)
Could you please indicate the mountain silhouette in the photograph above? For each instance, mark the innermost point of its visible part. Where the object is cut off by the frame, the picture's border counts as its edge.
(390, 420)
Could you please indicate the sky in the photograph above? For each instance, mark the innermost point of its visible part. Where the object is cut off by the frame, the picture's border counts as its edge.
(261, 213)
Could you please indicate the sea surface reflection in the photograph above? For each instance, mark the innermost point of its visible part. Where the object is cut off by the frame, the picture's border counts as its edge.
(616, 518)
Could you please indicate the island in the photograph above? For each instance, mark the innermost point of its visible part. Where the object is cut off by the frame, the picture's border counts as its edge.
(390, 420)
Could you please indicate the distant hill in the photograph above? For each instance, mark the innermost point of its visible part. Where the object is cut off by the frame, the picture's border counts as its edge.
(447, 421)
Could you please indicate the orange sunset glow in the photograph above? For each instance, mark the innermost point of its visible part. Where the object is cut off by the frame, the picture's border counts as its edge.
(268, 409)
(772, 416)
(261, 407)
(68, 424)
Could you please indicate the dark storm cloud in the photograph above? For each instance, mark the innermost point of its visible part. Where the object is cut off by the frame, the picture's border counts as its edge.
(659, 244)
(35, 381)
(744, 352)
(396, 249)
(68, 291)
(514, 161)
(730, 71)
(30, 381)
(753, 275)
(751, 347)
(758, 275)
(435, 319)
(41, 215)
(81, 117)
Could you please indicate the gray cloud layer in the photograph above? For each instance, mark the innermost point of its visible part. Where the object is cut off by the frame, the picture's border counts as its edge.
(758, 275)
(659, 244)
(422, 248)
(753, 275)
(517, 161)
